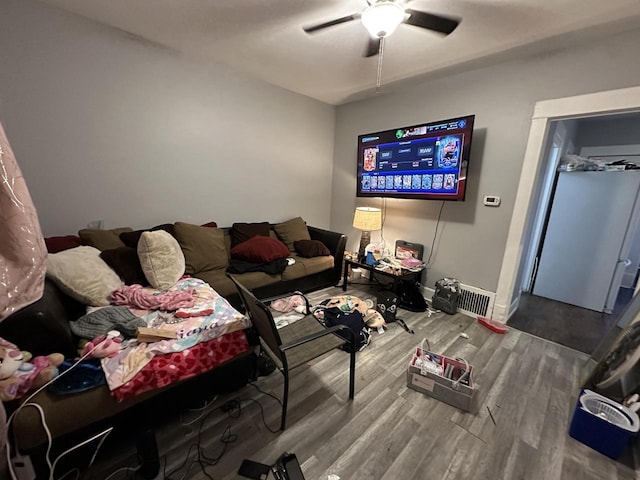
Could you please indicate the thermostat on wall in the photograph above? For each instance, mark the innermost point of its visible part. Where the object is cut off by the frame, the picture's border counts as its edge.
(491, 201)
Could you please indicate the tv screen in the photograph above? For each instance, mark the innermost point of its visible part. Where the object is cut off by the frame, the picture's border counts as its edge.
(427, 161)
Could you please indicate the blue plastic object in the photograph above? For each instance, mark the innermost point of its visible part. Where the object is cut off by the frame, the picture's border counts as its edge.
(602, 424)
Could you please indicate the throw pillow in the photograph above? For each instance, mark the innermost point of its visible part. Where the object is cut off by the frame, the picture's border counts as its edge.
(203, 247)
(241, 232)
(125, 262)
(102, 239)
(292, 230)
(311, 248)
(260, 249)
(58, 244)
(132, 237)
(83, 275)
(161, 259)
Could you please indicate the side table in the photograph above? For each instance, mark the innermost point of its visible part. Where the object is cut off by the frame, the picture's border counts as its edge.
(397, 279)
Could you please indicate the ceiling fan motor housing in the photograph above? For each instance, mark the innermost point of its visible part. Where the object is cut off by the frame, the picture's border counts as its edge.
(381, 18)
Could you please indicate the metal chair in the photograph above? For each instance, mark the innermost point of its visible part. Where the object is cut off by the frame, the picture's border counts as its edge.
(295, 344)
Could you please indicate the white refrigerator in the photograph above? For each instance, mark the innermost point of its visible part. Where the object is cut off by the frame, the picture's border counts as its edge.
(588, 237)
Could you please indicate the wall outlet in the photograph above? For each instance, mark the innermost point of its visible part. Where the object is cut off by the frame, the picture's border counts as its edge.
(96, 224)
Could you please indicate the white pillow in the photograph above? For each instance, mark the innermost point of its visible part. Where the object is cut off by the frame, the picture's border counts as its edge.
(161, 258)
(83, 275)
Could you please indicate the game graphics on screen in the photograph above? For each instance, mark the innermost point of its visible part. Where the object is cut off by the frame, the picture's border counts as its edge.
(430, 164)
(426, 161)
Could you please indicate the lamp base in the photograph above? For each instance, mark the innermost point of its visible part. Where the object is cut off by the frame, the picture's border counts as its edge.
(365, 239)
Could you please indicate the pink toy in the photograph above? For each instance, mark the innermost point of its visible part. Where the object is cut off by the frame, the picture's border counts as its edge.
(103, 346)
(19, 373)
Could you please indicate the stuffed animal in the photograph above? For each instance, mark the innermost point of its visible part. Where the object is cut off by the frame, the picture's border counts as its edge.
(19, 373)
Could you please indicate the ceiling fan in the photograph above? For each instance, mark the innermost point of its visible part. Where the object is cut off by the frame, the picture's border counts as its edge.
(382, 17)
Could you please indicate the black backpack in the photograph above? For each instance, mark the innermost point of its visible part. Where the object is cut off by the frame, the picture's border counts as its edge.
(354, 320)
(445, 297)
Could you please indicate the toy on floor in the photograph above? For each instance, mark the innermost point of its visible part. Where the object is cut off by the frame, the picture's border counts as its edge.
(20, 373)
(493, 325)
(103, 345)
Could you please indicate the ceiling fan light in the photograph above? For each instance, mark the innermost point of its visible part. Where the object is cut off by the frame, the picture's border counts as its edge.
(381, 19)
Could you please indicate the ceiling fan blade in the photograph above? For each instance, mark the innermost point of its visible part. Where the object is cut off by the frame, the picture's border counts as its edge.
(373, 47)
(337, 21)
(431, 22)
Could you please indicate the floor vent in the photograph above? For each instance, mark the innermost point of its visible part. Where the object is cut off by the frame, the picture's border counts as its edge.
(475, 301)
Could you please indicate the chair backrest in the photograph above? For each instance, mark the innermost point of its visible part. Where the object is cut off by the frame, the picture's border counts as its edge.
(261, 318)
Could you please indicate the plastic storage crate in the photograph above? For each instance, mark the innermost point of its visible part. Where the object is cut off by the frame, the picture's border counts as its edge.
(602, 424)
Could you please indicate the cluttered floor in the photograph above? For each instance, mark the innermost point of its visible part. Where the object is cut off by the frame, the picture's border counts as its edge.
(526, 394)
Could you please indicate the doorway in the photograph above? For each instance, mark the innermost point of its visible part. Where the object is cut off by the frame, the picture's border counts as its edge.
(534, 166)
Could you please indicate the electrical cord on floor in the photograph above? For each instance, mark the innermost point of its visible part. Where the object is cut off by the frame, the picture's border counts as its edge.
(102, 436)
(265, 393)
(196, 454)
(73, 470)
(201, 459)
(129, 470)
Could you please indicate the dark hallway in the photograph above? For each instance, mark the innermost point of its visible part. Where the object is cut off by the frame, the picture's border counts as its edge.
(574, 327)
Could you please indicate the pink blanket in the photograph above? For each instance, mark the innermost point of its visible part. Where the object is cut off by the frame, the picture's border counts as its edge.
(134, 296)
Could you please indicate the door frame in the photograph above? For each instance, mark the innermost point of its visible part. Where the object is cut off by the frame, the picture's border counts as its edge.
(588, 105)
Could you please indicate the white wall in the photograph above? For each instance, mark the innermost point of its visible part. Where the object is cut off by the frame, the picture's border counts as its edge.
(472, 237)
(609, 131)
(107, 127)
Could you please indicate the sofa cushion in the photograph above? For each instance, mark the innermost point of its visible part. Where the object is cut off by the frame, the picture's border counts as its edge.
(102, 239)
(203, 247)
(58, 244)
(83, 275)
(307, 266)
(260, 249)
(311, 248)
(225, 287)
(132, 237)
(241, 232)
(125, 262)
(292, 230)
(161, 259)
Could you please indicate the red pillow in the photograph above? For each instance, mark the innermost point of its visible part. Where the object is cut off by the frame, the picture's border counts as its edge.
(260, 249)
(58, 244)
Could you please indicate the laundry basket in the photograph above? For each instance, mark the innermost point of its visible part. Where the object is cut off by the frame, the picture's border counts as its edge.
(602, 424)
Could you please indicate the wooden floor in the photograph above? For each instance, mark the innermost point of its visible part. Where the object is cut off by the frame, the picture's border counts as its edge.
(527, 392)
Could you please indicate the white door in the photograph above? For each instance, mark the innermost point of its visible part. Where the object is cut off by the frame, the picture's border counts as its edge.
(582, 257)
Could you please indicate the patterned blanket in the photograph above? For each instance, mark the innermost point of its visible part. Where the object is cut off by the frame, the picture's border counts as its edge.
(211, 316)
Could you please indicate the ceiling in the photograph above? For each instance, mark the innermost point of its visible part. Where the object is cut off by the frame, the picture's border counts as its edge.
(264, 38)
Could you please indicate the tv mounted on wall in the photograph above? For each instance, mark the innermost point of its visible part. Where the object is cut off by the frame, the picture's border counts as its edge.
(426, 162)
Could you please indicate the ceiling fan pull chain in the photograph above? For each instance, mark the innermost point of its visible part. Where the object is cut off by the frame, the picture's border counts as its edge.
(380, 55)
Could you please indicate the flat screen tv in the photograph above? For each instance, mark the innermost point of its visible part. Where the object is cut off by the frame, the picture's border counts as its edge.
(426, 162)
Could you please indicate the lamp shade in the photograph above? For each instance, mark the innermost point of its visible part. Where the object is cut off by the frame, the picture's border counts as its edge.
(382, 18)
(367, 219)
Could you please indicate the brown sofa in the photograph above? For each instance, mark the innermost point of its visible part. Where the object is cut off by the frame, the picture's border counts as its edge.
(43, 327)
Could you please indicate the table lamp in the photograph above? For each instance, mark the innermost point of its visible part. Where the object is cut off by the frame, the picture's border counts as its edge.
(366, 219)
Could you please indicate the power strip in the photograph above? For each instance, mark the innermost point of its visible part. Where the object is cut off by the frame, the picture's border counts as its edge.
(23, 468)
